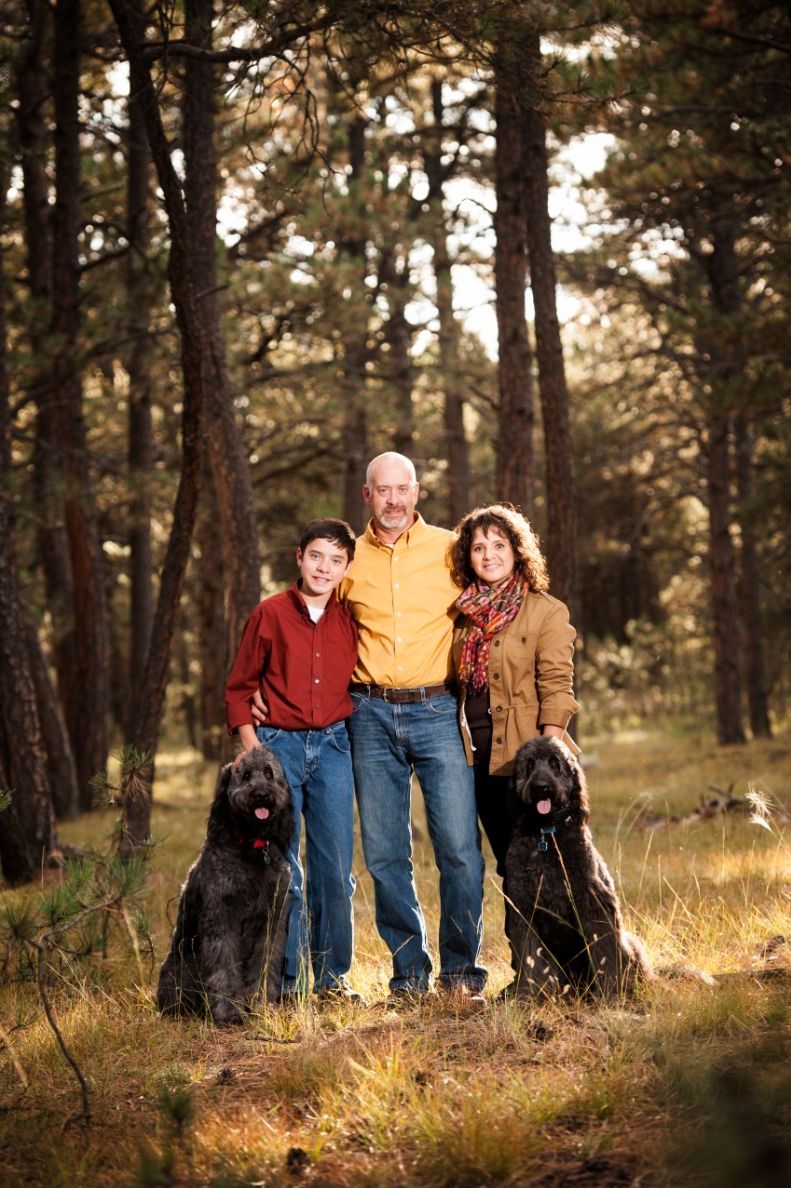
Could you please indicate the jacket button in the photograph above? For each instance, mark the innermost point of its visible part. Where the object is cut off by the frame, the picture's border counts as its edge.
(497, 643)
(499, 709)
(496, 676)
(498, 740)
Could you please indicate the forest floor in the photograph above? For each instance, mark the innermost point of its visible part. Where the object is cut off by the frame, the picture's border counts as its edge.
(688, 1084)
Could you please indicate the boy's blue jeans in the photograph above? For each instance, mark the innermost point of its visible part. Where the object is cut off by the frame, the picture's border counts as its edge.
(388, 742)
(318, 768)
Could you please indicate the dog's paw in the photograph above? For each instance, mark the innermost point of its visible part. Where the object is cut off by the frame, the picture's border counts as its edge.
(227, 1014)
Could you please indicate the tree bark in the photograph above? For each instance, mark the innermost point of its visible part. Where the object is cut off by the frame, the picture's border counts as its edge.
(355, 352)
(188, 708)
(140, 455)
(722, 269)
(51, 543)
(209, 614)
(399, 336)
(61, 768)
(722, 573)
(514, 363)
(147, 717)
(229, 464)
(27, 826)
(456, 446)
(750, 587)
(561, 542)
(87, 712)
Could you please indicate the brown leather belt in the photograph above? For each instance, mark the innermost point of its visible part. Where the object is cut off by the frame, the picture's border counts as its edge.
(404, 696)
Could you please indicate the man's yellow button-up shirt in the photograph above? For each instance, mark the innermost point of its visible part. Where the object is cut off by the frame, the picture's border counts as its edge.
(405, 604)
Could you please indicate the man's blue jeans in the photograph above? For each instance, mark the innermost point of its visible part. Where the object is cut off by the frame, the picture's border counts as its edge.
(389, 742)
(318, 768)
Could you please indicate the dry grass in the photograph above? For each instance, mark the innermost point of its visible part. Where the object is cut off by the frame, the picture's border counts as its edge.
(689, 1085)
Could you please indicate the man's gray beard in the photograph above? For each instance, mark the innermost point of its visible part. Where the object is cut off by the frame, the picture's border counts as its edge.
(399, 521)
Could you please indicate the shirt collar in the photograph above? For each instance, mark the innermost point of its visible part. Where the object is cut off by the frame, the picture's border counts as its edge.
(407, 535)
(300, 604)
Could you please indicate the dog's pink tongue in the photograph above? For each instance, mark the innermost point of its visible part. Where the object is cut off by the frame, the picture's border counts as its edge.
(544, 806)
(262, 813)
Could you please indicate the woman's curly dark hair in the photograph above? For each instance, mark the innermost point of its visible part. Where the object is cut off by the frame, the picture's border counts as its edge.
(529, 561)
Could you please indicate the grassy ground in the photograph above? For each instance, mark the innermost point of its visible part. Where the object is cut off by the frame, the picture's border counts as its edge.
(688, 1085)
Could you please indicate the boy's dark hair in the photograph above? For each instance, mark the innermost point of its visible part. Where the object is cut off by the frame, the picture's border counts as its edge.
(337, 532)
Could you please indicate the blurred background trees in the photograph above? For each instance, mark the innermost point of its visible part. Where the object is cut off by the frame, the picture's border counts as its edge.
(542, 249)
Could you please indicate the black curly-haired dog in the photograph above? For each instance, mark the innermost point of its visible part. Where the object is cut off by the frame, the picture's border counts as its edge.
(230, 934)
(563, 918)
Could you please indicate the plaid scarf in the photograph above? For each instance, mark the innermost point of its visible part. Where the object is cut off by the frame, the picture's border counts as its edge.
(489, 610)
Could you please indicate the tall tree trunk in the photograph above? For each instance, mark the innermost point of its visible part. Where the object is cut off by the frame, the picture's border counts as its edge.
(141, 442)
(399, 337)
(514, 363)
(456, 446)
(87, 713)
(209, 616)
(188, 709)
(749, 586)
(561, 543)
(721, 266)
(722, 574)
(27, 826)
(61, 768)
(147, 717)
(52, 546)
(356, 347)
(229, 463)
(394, 274)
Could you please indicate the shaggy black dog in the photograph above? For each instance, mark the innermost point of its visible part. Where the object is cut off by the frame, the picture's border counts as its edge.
(230, 933)
(563, 919)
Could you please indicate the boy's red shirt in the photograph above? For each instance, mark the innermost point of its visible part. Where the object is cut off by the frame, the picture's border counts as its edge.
(302, 668)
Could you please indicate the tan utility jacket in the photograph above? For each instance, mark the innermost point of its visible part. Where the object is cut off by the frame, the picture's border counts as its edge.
(531, 675)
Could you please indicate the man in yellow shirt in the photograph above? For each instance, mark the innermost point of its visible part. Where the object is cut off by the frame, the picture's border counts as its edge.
(403, 722)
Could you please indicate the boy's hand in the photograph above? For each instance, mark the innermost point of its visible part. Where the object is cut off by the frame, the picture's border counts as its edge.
(249, 741)
(258, 709)
(235, 762)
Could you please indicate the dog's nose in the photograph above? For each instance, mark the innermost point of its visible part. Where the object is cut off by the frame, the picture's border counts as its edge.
(540, 789)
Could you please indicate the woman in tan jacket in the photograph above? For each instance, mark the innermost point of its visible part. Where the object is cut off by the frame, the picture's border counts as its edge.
(513, 649)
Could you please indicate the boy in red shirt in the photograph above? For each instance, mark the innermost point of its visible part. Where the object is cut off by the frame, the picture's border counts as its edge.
(298, 651)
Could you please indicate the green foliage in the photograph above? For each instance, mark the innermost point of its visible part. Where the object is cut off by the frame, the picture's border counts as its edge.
(73, 917)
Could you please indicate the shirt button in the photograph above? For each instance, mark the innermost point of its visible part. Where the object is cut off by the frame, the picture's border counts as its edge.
(499, 709)
(497, 643)
(316, 681)
(317, 655)
(498, 740)
(496, 676)
(396, 586)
